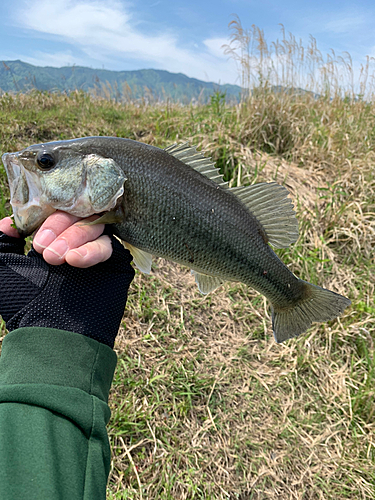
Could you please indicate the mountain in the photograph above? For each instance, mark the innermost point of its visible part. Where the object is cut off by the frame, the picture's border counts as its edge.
(17, 76)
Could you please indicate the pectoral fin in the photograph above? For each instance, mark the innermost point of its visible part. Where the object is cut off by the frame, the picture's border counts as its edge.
(206, 283)
(107, 218)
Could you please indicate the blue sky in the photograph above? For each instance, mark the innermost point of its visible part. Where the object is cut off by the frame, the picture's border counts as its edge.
(179, 36)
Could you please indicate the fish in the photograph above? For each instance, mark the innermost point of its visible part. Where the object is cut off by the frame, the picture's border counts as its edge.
(173, 203)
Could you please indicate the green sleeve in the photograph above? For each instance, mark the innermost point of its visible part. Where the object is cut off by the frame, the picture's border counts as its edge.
(54, 389)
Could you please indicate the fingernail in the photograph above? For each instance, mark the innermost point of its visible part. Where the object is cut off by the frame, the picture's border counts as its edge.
(59, 248)
(45, 238)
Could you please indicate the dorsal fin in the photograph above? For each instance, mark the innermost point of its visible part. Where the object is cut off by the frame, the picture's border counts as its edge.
(195, 159)
(270, 204)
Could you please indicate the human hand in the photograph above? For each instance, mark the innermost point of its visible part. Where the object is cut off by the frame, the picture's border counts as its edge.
(66, 238)
(88, 301)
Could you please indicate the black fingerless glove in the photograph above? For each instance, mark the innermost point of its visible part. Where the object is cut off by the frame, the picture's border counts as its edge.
(87, 301)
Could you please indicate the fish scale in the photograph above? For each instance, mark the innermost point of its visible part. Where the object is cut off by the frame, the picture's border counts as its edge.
(174, 204)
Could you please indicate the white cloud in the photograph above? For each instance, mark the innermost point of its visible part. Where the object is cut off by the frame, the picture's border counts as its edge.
(56, 60)
(215, 46)
(108, 33)
(97, 28)
(345, 24)
(82, 20)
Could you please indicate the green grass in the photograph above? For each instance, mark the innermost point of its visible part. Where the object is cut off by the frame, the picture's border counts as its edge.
(205, 405)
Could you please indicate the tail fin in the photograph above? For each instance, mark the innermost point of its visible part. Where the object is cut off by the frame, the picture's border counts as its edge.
(318, 305)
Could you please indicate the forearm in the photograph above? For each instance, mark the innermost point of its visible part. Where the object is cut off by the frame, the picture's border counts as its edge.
(53, 411)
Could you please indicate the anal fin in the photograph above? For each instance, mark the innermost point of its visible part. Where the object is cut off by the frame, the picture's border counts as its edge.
(206, 283)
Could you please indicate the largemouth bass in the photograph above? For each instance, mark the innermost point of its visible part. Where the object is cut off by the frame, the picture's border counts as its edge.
(174, 204)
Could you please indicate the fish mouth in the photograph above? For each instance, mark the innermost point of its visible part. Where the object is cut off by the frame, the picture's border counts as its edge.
(25, 192)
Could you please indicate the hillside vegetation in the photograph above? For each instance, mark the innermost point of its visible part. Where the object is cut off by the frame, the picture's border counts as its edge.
(205, 405)
(147, 84)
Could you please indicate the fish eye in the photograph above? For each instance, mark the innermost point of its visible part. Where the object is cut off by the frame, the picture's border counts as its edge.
(45, 161)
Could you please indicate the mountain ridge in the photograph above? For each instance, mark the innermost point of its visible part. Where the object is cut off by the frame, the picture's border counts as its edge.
(18, 76)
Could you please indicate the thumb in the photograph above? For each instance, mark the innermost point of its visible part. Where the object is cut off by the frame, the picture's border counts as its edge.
(6, 227)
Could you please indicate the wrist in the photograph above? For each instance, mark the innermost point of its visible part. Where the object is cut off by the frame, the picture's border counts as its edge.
(68, 360)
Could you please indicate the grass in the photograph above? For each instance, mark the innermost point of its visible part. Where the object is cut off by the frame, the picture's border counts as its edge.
(204, 404)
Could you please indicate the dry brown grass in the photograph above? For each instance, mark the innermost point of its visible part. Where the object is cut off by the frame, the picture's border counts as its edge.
(266, 421)
(289, 63)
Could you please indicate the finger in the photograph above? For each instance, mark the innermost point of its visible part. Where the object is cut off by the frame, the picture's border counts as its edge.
(5, 227)
(51, 228)
(72, 238)
(91, 253)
